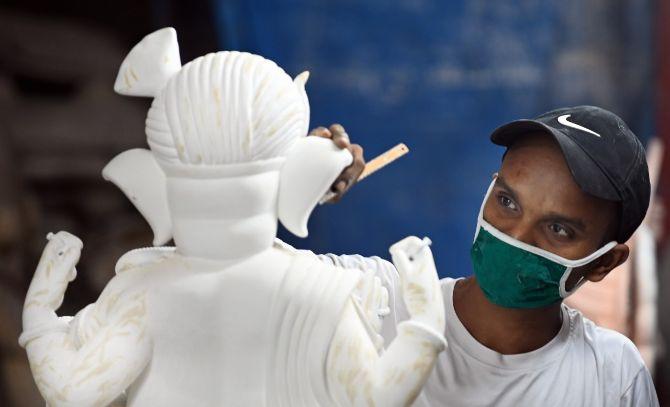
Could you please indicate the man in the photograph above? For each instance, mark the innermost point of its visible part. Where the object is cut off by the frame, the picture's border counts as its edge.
(572, 187)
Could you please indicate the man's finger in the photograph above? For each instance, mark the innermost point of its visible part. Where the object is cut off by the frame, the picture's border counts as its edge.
(335, 199)
(340, 186)
(350, 175)
(321, 132)
(340, 136)
(353, 171)
(359, 158)
(347, 178)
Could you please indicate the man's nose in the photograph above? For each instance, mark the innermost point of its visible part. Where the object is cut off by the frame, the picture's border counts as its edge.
(522, 232)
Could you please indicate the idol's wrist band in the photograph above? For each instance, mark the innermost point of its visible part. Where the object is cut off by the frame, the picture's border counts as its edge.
(436, 339)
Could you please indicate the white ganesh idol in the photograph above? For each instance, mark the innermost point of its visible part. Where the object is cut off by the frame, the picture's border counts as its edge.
(230, 316)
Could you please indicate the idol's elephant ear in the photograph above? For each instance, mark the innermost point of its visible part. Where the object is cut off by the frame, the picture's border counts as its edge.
(300, 81)
(149, 65)
(142, 180)
(311, 167)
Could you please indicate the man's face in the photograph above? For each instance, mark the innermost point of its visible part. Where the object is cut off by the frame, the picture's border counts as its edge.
(536, 200)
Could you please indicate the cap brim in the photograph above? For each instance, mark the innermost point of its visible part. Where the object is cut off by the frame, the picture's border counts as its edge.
(586, 173)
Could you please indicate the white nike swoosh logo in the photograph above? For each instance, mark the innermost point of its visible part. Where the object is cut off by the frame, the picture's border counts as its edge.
(564, 121)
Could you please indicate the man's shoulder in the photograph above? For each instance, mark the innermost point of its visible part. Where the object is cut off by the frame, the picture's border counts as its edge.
(604, 338)
(610, 347)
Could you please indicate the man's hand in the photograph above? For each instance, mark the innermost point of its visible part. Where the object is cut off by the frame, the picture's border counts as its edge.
(350, 174)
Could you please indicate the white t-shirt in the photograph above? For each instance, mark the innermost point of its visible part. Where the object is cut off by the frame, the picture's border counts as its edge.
(584, 365)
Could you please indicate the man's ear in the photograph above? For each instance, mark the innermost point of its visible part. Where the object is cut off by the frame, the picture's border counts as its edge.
(607, 262)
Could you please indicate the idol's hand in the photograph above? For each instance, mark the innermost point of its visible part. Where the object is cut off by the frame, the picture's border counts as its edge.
(54, 271)
(92, 359)
(395, 376)
(351, 173)
(420, 284)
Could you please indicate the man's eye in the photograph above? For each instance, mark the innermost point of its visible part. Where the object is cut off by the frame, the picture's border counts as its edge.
(559, 230)
(506, 202)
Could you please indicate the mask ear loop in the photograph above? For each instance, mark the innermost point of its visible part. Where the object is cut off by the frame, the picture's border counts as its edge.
(569, 269)
(561, 284)
(480, 216)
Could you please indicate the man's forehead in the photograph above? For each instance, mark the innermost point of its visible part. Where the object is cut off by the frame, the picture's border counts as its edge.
(539, 155)
(536, 161)
(536, 173)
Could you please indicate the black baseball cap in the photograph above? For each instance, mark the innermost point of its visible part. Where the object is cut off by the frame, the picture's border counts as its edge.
(604, 156)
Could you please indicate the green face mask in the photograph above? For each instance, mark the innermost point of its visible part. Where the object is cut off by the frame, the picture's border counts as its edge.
(514, 274)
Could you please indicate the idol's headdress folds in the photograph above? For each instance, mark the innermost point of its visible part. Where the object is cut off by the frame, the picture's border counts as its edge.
(220, 117)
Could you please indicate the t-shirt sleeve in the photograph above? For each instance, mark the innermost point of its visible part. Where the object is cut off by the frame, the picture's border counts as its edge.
(640, 392)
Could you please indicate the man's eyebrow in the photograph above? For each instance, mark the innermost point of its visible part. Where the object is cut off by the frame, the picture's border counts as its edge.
(500, 181)
(552, 216)
(558, 218)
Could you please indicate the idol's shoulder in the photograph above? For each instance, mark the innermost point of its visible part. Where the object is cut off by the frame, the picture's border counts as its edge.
(610, 347)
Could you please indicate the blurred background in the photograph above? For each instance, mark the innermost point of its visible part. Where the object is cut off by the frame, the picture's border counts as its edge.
(439, 76)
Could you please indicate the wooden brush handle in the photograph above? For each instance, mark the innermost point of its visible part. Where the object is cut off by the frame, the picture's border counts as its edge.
(383, 160)
(375, 165)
